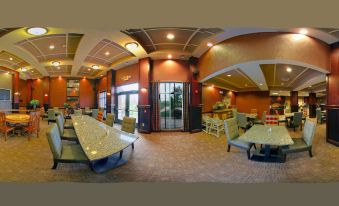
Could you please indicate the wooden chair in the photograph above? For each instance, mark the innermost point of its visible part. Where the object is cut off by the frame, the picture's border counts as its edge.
(100, 116)
(33, 125)
(67, 124)
(216, 127)
(263, 118)
(64, 153)
(4, 128)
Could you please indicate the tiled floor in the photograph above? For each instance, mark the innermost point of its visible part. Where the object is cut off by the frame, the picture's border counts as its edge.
(171, 157)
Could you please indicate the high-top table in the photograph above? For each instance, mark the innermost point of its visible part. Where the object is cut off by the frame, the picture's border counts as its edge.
(102, 144)
(268, 136)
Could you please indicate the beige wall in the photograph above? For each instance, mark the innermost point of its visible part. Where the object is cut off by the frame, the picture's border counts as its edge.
(5, 83)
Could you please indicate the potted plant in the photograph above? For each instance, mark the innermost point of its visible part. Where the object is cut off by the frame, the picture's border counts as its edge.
(34, 103)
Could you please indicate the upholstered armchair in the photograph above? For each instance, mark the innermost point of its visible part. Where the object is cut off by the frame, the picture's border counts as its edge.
(304, 143)
(66, 134)
(110, 119)
(95, 113)
(64, 153)
(320, 116)
(51, 115)
(262, 120)
(242, 121)
(128, 125)
(67, 124)
(297, 120)
(232, 135)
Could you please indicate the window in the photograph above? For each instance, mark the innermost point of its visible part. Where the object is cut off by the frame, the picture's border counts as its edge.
(102, 100)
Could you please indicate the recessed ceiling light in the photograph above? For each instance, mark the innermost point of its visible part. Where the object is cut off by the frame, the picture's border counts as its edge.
(58, 67)
(288, 69)
(11, 58)
(32, 70)
(131, 45)
(229, 75)
(303, 31)
(101, 75)
(245, 85)
(24, 69)
(107, 53)
(89, 69)
(310, 86)
(55, 64)
(170, 36)
(51, 46)
(260, 84)
(37, 31)
(95, 66)
(209, 44)
(275, 93)
(169, 56)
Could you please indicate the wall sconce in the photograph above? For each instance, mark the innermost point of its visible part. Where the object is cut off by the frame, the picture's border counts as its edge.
(17, 93)
(46, 95)
(196, 91)
(108, 94)
(143, 90)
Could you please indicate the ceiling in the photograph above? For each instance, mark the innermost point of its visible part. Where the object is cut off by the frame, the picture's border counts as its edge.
(77, 50)
(276, 77)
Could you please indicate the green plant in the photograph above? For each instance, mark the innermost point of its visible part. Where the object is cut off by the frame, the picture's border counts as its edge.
(34, 102)
(67, 105)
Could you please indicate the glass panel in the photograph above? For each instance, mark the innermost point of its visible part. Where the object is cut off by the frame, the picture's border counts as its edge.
(128, 87)
(133, 106)
(162, 110)
(121, 106)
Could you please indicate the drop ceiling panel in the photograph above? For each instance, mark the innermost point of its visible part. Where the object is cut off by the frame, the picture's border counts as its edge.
(238, 79)
(284, 78)
(268, 71)
(61, 70)
(88, 71)
(160, 35)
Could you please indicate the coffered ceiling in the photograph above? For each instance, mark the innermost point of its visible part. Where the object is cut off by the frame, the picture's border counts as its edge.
(91, 53)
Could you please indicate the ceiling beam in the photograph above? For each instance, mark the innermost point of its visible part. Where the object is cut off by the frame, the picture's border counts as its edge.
(254, 73)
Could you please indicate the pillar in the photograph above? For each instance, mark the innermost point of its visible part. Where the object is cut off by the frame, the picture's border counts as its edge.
(144, 106)
(294, 101)
(332, 106)
(312, 101)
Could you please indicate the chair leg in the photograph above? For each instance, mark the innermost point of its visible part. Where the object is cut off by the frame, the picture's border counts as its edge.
(248, 154)
(255, 147)
(55, 165)
(132, 145)
(284, 158)
(120, 154)
(310, 152)
(228, 148)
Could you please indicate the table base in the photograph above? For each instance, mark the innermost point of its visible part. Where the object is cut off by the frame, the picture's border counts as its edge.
(268, 154)
(111, 162)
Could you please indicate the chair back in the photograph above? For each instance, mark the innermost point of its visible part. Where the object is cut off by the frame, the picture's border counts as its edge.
(242, 119)
(60, 124)
(110, 119)
(56, 109)
(231, 129)
(215, 116)
(272, 119)
(309, 131)
(87, 109)
(95, 113)
(224, 116)
(51, 114)
(297, 118)
(235, 112)
(100, 116)
(2, 118)
(128, 124)
(54, 141)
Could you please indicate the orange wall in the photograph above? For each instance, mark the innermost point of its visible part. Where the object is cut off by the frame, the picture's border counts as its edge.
(57, 93)
(170, 70)
(37, 90)
(102, 84)
(87, 93)
(210, 95)
(245, 101)
(132, 70)
(23, 90)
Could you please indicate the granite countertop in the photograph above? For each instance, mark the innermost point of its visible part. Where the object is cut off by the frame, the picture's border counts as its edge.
(99, 140)
(260, 134)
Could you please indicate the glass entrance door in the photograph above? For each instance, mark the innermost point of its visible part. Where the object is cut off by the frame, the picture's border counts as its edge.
(127, 106)
(171, 105)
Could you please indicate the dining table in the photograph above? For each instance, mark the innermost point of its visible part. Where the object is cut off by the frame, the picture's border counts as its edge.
(102, 144)
(272, 137)
(17, 121)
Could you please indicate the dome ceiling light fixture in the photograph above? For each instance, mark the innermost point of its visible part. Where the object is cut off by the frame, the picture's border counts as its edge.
(170, 36)
(95, 66)
(55, 63)
(288, 69)
(36, 31)
(23, 69)
(131, 45)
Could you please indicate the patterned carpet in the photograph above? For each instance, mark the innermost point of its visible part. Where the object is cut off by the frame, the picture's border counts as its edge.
(170, 157)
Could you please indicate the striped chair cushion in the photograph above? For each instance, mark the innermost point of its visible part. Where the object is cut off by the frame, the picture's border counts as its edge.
(272, 119)
(100, 116)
